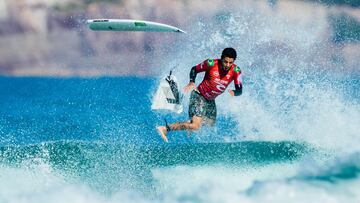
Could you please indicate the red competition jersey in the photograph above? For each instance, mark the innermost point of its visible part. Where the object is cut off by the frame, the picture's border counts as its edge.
(216, 78)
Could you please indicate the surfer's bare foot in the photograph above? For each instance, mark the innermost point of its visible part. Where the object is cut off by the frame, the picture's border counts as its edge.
(163, 132)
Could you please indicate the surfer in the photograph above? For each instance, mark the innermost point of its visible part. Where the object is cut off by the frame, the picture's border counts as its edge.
(219, 73)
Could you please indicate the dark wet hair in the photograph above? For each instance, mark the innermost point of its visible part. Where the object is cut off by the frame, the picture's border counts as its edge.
(228, 52)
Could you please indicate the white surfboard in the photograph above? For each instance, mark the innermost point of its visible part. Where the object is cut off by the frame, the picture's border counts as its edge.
(130, 25)
(168, 96)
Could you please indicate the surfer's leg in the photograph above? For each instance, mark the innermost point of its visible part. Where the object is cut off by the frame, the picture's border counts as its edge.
(192, 125)
(209, 122)
(210, 113)
(196, 110)
(163, 132)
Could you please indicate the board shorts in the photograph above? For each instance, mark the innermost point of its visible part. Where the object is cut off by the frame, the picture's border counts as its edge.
(201, 107)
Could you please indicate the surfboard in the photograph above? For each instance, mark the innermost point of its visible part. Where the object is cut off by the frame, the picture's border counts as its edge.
(168, 96)
(130, 25)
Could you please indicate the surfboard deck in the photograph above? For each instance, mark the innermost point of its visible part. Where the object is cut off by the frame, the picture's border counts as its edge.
(130, 25)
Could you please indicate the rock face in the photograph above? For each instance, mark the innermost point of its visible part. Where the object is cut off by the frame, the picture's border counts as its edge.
(50, 37)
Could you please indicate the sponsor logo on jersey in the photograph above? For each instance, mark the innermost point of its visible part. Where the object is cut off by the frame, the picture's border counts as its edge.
(224, 82)
(219, 81)
(215, 92)
(221, 87)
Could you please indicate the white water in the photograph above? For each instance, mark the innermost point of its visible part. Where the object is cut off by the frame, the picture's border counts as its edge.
(292, 86)
(39, 183)
(283, 182)
(292, 91)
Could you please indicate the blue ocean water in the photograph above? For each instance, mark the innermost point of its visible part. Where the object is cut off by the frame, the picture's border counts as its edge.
(105, 109)
(77, 139)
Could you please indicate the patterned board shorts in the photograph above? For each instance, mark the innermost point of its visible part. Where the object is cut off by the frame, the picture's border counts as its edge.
(199, 106)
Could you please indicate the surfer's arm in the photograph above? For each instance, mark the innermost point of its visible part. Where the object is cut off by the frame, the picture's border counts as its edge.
(238, 84)
(238, 90)
(204, 66)
(193, 74)
(191, 84)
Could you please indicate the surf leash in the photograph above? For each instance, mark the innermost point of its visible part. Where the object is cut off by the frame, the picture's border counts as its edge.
(166, 125)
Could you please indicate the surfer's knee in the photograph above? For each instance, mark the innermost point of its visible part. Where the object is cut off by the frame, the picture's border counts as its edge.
(196, 123)
(195, 126)
(210, 122)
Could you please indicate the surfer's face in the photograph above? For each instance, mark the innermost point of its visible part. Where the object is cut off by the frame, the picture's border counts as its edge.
(227, 62)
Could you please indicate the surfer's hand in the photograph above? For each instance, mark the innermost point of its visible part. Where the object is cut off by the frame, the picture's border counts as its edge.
(189, 87)
(231, 92)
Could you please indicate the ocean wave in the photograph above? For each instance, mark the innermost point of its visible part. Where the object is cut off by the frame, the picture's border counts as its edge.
(114, 170)
(76, 153)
